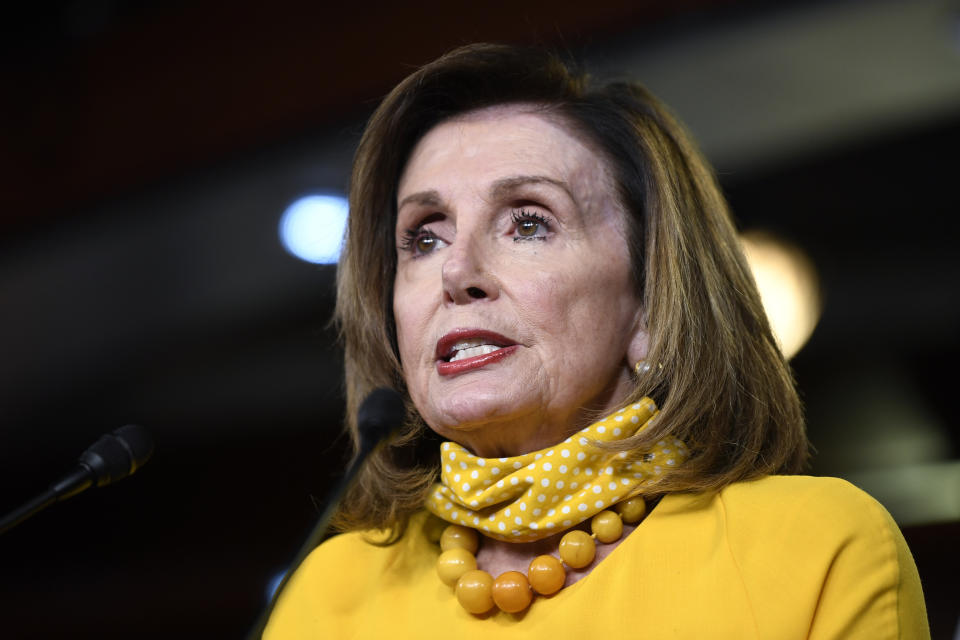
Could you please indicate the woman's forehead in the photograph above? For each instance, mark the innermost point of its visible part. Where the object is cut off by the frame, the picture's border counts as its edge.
(490, 145)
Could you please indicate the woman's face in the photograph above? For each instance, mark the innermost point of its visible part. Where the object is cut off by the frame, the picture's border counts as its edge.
(516, 313)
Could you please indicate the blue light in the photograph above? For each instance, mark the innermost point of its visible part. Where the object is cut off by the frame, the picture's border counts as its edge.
(312, 228)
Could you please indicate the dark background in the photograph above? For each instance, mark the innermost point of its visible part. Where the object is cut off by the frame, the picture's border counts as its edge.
(148, 150)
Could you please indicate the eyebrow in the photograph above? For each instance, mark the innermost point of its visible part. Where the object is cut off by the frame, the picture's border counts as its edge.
(500, 188)
(504, 186)
(429, 198)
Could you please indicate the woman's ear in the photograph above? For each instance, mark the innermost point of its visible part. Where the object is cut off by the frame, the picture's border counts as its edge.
(639, 344)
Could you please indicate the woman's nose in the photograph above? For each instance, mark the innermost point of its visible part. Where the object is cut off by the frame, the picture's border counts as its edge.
(466, 274)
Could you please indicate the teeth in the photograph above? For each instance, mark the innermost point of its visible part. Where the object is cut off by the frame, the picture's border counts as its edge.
(470, 342)
(471, 352)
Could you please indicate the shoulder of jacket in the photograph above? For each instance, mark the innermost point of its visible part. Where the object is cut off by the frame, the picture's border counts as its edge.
(827, 506)
(786, 490)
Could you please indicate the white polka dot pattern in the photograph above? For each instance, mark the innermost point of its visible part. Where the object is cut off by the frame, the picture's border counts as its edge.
(505, 495)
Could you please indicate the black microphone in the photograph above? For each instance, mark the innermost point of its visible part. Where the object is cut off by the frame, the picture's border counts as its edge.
(380, 413)
(113, 457)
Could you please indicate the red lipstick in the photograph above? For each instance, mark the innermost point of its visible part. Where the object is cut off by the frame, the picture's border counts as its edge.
(445, 350)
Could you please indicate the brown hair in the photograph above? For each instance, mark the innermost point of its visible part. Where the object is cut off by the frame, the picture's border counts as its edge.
(719, 378)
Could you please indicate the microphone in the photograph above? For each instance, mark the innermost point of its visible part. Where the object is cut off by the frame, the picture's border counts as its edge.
(113, 457)
(380, 413)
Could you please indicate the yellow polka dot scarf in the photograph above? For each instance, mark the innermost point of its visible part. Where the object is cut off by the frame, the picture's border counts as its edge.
(538, 494)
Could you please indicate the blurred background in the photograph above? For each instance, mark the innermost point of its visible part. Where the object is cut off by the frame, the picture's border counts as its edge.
(149, 151)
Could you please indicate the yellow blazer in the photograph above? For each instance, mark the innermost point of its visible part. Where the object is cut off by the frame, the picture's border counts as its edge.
(779, 557)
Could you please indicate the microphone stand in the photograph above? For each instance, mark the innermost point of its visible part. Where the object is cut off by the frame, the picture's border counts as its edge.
(67, 487)
(380, 413)
(314, 538)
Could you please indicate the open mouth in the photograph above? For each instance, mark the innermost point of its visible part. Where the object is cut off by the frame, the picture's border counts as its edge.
(470, 346)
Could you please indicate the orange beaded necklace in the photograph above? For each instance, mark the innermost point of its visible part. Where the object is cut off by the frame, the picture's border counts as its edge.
(512, 591)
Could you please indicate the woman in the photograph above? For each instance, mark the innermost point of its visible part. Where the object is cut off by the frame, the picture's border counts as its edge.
(549, 274)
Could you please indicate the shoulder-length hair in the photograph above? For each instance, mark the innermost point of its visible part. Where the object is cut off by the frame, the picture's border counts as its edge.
(718, 376)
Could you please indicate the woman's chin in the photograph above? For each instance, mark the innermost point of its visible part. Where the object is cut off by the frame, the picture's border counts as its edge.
(474, 418)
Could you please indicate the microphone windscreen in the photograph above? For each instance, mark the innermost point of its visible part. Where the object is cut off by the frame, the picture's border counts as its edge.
(138, 442)
(116, 455)
(380, 413)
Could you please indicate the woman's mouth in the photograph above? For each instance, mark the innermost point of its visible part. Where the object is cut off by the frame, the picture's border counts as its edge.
(467, 349)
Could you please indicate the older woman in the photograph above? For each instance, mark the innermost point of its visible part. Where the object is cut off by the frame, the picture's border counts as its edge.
(597, 409)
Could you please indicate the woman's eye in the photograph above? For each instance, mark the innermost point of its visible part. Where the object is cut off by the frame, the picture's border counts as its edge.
(527, 228)
(426, 242)
(530, 225)
(420, 241)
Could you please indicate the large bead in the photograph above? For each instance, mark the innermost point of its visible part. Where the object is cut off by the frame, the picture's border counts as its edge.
(454, 563)
(546, 575)
(607, 526)
(577, 549)
(475, 591)
(632, 510)
(511, 592)
(457, 537)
